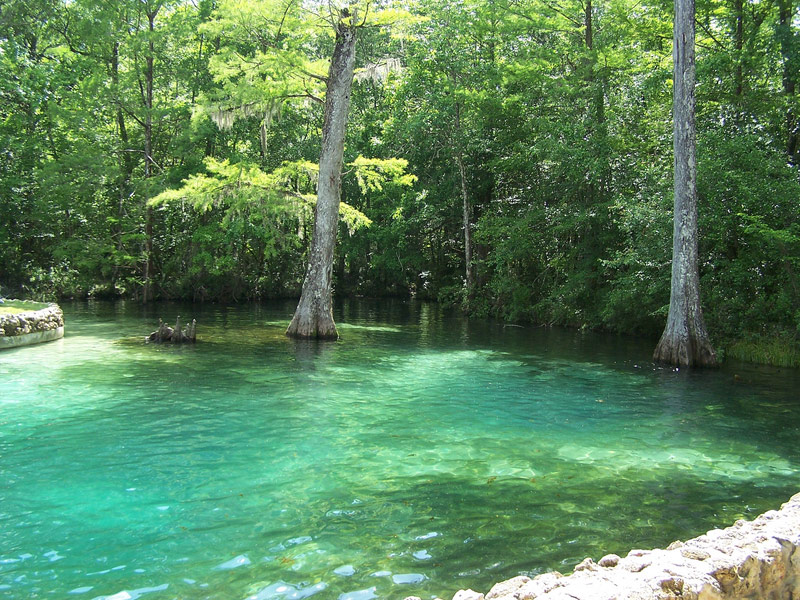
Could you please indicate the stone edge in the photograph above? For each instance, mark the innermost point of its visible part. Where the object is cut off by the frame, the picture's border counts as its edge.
(14, 341)
(750, 559)
(42, 325)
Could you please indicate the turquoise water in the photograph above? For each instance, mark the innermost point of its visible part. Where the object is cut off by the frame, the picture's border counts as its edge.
(419, 455)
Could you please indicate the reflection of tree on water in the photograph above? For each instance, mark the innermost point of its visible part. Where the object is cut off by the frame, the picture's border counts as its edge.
(307, 352)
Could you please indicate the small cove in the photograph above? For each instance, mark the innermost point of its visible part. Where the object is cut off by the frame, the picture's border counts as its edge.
(420, 454)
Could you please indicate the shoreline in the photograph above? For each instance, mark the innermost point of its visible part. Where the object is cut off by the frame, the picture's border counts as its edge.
(38, 324)
(750, 559)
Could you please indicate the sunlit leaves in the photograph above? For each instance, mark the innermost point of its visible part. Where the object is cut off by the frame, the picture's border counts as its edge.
(264, 56)
(236, 185)
(287, 191)
(373, 173)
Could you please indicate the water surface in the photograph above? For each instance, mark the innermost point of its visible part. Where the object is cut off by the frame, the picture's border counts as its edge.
(420, 454)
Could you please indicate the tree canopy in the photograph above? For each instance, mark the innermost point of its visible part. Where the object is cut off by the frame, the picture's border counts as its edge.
(512, 157)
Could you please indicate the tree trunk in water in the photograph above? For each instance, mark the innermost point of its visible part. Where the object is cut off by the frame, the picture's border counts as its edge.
(147, 293)
(685, 340)
(126, 164)
(314, 315)
(465, 209)
(176, 335)
(148, 158)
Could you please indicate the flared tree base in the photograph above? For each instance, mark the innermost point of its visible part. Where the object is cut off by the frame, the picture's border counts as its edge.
(312, 321)
(309, 331)
(685, 349)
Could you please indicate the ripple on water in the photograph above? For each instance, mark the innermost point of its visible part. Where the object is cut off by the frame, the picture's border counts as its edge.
(366, 594)
(349, 467)
(81, 590)
(345, 571)
(282, 589)
(408, 578)
(238, 561)
(134, 594)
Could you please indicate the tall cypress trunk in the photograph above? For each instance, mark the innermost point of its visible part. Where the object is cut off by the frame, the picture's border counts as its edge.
(685, 340)
(467, 221)
(314, 315)
(738, 6)
(466, 211)
(148, 156)
(587, 24)
(126, 162)
(789, 79)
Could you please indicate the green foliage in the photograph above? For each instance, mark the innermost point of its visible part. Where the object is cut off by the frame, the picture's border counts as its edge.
(778, 350)
(750, 234)
(242, 186)
(372, 173)
(285, 193)
(565, 143)
(48, 285)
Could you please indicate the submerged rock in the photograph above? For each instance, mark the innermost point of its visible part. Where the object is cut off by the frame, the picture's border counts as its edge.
(345, 571)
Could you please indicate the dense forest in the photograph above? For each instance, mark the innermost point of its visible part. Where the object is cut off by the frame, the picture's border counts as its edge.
(511, 157)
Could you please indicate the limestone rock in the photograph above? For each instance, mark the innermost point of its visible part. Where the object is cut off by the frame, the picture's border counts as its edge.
(672, 585)
(635, 563)
(587, 564)
(539, 585)
(507, 588)
(675, 544)
(752, 560)
(695, 554)
(609, 561)
(468, 595)
(38, 325)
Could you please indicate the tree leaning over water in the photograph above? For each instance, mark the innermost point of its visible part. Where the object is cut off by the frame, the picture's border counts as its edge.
(685, 340)
(313, 317)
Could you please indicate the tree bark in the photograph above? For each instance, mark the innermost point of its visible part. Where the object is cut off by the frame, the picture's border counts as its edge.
(789, 79)
(126, 161)
(738, 7)
(685, 340)
(148, 153)
(467, 221)
(176, 335)
(465, 208)
(314, 315)
(587, 24)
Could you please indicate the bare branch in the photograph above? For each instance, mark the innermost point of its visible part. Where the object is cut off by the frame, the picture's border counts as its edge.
(709, 34)
(283, 20)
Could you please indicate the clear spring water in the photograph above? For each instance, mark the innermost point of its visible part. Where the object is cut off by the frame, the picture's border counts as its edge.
(420, 454)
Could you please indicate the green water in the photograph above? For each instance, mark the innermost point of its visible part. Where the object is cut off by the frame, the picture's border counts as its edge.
(420, 454)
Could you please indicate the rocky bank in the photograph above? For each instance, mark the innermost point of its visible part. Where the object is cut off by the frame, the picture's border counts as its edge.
(751, 560)
(36, 325)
